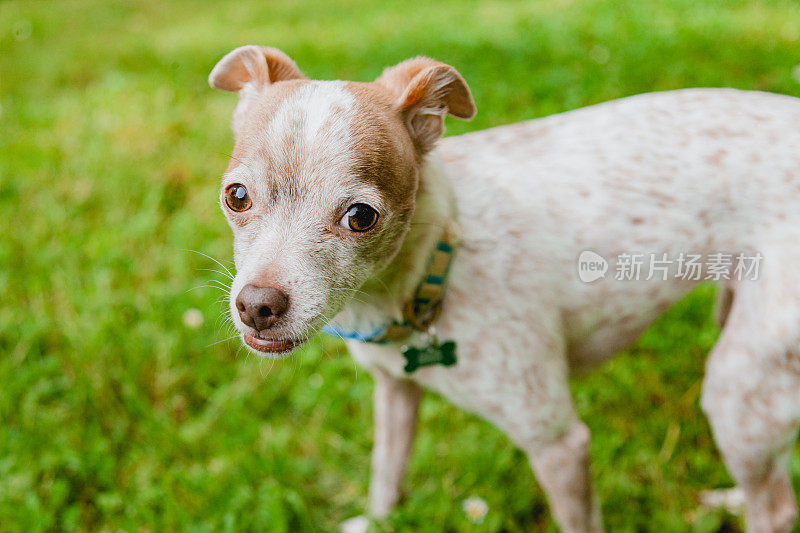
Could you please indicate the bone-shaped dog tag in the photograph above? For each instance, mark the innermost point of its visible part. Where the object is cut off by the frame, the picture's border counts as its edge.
(432, 354)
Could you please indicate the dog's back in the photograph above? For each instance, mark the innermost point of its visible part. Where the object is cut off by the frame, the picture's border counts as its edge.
(681, 173)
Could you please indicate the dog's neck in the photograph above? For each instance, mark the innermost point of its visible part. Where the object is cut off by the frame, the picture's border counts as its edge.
(381, 299)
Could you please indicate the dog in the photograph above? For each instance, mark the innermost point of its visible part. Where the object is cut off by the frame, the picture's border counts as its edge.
(480, 266)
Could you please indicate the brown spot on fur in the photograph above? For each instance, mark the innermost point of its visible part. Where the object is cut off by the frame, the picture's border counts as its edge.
(716, 158)
(718, 133)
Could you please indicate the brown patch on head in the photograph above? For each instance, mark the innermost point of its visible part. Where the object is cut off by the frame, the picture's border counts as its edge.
(384, 150)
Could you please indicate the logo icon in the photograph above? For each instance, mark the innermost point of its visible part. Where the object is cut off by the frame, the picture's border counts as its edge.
(591, 266)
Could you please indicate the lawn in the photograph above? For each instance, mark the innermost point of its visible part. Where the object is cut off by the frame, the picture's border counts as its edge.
(121, 411)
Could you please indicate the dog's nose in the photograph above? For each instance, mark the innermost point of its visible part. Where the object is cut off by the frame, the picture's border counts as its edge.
(260, 307)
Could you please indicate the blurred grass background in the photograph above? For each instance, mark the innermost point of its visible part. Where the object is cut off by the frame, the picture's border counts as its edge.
(116, 413)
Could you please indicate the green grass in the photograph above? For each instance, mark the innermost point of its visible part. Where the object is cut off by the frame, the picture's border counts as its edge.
(116, 416)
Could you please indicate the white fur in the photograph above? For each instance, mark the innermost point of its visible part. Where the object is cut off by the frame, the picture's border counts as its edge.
(314, 104)
(693, 171)
(687, 171)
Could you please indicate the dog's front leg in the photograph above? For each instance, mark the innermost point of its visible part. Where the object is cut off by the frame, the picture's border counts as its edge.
(562, 469)
(395, 415)
(528, 397)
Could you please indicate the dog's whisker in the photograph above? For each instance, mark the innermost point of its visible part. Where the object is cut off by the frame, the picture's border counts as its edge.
(223, 340)
(227, 275)
(209, 257)
(221, 286)
(204, 287)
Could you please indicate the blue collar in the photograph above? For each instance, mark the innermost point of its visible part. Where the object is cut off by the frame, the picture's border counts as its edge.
(421, 310)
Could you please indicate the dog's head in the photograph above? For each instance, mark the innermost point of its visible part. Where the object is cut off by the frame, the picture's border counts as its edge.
(321, 186)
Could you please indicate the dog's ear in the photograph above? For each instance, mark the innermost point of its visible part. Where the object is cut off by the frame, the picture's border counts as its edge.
(259, 65)
(426, 91)
(248, 70)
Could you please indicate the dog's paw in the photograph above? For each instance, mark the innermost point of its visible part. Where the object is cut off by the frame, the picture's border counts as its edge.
(731, 500)
(357, 524)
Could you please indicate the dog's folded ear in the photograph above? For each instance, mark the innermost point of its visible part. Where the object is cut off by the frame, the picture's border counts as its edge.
(427, 90)
(248, 70)
(260, 65)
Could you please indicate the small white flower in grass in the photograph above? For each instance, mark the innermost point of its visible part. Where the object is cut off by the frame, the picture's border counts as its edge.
(357, 524)
(315, 381)
(192, 318)
(599, 54)
(475, 509)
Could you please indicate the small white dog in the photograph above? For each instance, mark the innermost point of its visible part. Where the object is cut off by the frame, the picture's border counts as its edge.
(488, 266)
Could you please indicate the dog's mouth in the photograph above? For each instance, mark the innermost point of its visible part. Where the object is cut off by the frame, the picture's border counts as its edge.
(272, 345)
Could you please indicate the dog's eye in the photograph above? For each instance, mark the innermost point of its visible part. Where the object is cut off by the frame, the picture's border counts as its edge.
(360, 217)
(237, 198)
